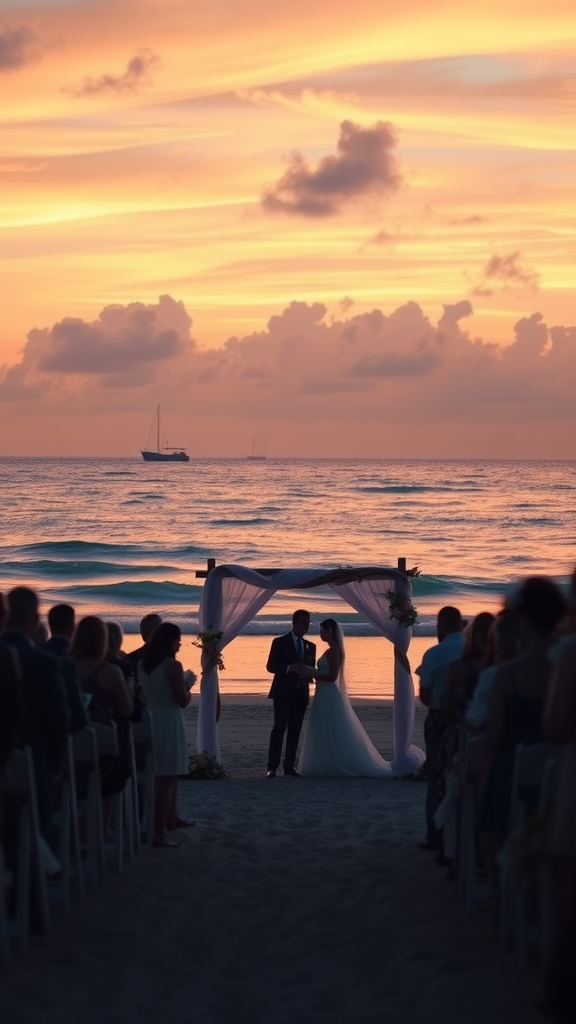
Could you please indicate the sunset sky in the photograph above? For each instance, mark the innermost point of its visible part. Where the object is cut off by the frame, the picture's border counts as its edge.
(338, 229)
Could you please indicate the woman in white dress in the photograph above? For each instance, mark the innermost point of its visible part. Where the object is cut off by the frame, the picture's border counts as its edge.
(336, 745)
(162, 680)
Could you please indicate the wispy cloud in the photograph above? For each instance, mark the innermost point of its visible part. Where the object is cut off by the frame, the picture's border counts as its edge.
(507, 272)
(364, 166)
(137, 74)
(19, 46)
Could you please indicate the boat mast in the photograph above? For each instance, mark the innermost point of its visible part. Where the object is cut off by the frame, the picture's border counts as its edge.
(157, 428)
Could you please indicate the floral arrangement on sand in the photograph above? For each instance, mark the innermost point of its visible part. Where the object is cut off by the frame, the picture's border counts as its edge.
(205, 766)
(208, 641)
(401, 608)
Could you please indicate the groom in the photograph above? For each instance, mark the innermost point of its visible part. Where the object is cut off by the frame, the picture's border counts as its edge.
(290, 691)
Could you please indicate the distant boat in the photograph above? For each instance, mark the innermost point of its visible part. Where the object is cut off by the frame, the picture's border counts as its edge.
(254, 457)
(169, 453)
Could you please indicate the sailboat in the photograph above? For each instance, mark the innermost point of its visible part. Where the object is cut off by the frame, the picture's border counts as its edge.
(168, 453)
(254, 457)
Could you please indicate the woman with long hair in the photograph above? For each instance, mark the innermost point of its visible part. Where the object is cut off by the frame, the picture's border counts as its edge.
(161, 677)
(336, 745)
(111, 703)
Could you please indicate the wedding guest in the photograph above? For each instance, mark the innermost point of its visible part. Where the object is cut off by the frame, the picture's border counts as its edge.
(503, 646)
(3, 610)
(40, 634)
(45, 719)
(161, 677)
(148, 624)
(516, 706)
(433, 673)
(61, 621)
(111, 703)
(560, 729)
(115, 655)
(462, 675)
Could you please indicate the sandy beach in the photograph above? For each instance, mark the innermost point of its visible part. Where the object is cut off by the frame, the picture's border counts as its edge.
(291, 900)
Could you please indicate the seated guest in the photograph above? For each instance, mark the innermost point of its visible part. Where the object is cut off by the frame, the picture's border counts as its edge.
(61, 620)
(516, 706)
(166, 693)
(111, 702)
(45, 720)
(502, 646)
(148, 624)
(433, 672)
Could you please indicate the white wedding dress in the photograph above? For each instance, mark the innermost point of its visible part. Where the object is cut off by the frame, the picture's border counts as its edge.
(336, 745)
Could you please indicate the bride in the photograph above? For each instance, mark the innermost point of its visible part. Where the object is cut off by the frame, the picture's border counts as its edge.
(335, 743)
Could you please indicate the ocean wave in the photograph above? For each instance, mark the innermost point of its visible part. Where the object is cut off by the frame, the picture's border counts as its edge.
(73, 569)
(412, 488)
(79, 547)
(255, 521)
(138, 592)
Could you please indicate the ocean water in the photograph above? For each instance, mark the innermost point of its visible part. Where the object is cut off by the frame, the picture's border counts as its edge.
(120, 537)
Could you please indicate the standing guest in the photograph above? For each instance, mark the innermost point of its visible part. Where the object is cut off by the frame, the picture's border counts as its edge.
(148, 624)
(45, 719)
(560, 729)
(111, 703)
(290, 691)
(161, 677)
(503, 646)
(115, 655)
(11, 704)
(463, 674)
(433, 673)
(61, 620)
(516, 708)
(3, 610)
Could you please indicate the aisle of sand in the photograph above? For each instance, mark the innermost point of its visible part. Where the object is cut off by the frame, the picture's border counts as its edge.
(292, 900)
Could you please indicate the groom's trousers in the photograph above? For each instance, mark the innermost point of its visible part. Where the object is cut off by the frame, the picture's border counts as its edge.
(288, 717)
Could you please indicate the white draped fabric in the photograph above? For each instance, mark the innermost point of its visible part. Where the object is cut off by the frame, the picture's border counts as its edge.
(232, 596)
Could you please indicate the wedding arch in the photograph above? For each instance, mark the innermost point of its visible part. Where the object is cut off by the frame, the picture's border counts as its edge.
(232, 596)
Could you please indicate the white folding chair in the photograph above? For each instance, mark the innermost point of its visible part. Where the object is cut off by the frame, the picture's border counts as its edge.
(145, 774)
(65, 820)
(518, 899)
(29, 893)
(87, 765)
(473, 886)
(107, 743)
(546, 808)
(5, 881)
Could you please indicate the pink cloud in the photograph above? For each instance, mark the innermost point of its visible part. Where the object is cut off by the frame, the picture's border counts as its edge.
(364, 166)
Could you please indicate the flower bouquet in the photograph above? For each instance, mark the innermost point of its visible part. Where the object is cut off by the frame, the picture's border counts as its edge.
(208, 642)
(205, 766)
(401, 608)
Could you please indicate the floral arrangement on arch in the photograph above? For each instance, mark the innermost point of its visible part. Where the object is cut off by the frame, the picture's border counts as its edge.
(401, 608)
(208, 641)
(205, 766)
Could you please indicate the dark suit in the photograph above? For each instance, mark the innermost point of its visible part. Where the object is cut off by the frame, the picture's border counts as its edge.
(45, 721)
(58, 645)
(290, 695)
(134, 657)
